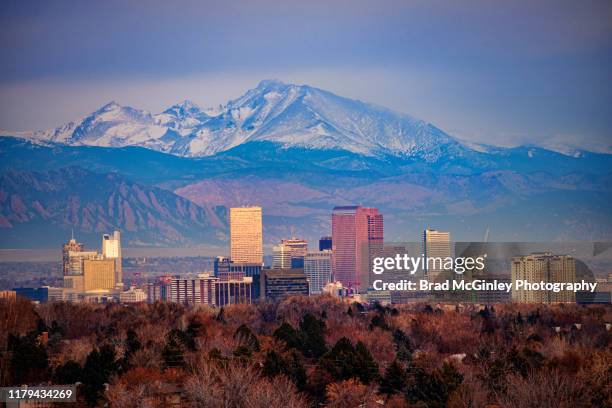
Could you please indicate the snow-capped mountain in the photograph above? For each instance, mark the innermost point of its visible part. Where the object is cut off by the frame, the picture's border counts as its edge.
(287, 114)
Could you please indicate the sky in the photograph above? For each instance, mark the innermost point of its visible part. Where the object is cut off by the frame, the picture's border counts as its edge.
(504, 73)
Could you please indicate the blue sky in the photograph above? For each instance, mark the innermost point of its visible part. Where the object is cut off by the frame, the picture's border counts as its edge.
(496, 72)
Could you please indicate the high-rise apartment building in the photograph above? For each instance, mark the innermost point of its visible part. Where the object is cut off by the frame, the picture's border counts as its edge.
(543, 267)
(318, 270)
(357, 237)
(436, 244)
(194, 291)
(111, 249)
(246, 237)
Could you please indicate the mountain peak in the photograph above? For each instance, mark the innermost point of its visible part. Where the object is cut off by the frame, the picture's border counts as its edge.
(184, 108)
(287, 114)
(271, 83)
(112, 105)
(187, 104)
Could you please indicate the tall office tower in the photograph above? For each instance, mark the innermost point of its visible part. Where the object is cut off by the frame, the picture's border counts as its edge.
(318, 270)
(325, 243)
(281, 256)
(543, 267)
(70, 246)
(73, 262)
(374, 246)
(246, 241)
(357, 237)
(99, 275)
(436, 247)
(111, 249)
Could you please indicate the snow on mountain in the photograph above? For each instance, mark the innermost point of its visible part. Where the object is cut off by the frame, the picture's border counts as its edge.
(566, 147)
(287, 114)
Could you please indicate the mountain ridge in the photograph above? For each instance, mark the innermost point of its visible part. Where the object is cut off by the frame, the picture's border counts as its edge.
(40, 205)
(286, 114)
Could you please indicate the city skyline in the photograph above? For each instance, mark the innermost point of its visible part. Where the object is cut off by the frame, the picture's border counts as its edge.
(298, 204)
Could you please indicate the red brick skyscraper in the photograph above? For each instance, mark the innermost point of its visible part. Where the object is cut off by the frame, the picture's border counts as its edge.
(357, 236)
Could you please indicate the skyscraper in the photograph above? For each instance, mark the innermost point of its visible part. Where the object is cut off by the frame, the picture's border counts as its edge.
(318, 270)
(436, 244)
(70, 246)
(289, 253)
(111, 249)
(281, 256)
(325, 243)
(73, 265)
(99, 275)
(246, 238)
(357, 236)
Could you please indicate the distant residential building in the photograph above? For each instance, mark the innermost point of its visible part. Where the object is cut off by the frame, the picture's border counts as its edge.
(111, 249)
(325, 243)
(160, 290)
(436, 244)
(543, 267)
(318, 270)
(246, 237)
(277, 284)
(8, 294)
(194, 291)
(98, 274)
(233, 291)
(357, 237)
(133, 295)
